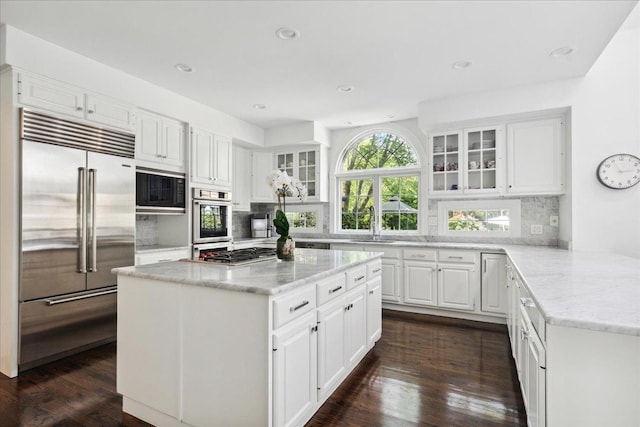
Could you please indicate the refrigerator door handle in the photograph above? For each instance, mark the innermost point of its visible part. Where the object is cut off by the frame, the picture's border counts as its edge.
(61, 300)
(82, 219)
(91, 215)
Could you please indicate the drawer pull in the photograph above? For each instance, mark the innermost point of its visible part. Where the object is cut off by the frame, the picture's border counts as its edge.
(335, 289)
(455, 257)
(527, 302)
(299, 306)
(165, 260)
(377, 270)
(370, 292)
(357, 279)
(418, 256)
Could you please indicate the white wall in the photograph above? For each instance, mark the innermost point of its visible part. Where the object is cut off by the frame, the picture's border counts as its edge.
(605, 119)
(33, 54)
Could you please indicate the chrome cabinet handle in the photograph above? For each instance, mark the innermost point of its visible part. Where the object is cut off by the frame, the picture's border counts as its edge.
(78, 108)
(298, 307)
(90, 111)
(371, 292)
(357, 279)
(418, 256)
(455, 257)
(527, 302)
(377, 270)
(335, 289)
(485, 265)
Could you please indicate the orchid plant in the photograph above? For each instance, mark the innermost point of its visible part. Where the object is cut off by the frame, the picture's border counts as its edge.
(285, 186)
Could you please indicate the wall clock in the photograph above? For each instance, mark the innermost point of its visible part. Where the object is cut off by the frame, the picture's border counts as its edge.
(619, 171)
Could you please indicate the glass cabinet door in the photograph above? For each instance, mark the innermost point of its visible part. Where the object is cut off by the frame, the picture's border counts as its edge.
(285, 163)
(446, 162)
(307, 170)
(481, 159)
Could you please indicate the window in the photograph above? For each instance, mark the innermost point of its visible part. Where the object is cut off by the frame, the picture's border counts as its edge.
(380, 173)
(304, 218)
(493, 218)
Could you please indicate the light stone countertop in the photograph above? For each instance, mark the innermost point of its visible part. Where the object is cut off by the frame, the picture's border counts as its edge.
(269, 277)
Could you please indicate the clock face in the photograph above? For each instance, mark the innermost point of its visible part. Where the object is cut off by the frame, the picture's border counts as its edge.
(619, 171)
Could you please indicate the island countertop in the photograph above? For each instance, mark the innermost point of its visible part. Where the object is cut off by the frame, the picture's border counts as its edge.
(269, 277)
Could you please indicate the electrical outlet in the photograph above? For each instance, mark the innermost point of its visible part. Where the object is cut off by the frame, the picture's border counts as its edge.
(536, 228)
(553, 220)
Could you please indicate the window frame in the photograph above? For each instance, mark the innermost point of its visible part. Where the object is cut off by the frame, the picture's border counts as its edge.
(515, 217)
(304, 207)
(376, 176)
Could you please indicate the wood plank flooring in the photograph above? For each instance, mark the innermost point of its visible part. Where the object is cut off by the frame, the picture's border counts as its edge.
(424, 371)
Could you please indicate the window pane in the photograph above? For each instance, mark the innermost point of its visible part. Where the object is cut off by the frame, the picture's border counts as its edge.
(379, 150)
(356, 199)
(479, 220)
(302, 219)
(399, 206)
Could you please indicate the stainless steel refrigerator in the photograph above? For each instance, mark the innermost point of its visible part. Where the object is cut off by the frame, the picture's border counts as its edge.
(78, 222)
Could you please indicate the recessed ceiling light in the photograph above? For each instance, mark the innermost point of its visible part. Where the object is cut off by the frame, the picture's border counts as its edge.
(286, 33)
(562, 51)
(461, 65)
(184, 68)
(348, 123)
(345, 88)
(259, 106)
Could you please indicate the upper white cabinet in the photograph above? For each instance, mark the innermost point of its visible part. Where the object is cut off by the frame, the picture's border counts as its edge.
(261, 168)
(160, 141)
(241, 184)
(211, 157)
(310, 167)
(535, 156)
(467, 161)
(49, 94)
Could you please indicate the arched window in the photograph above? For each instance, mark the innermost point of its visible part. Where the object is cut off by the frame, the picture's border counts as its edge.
(379, 183)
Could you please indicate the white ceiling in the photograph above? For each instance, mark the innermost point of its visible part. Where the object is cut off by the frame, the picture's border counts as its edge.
(395, 53)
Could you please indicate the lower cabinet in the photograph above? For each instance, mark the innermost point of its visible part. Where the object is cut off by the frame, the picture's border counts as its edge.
(456, 284)
(420, 283)
(331, 346)
(355, 326)
(493, 281)
(374, 311)
(390, 280)
(294, 372)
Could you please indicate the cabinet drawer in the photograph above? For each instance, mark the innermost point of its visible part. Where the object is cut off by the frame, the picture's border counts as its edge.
(163, 256)
(292, 306)
(420, 254)
(374, 269)
(457, 256)
(330, 288)
(356, 276)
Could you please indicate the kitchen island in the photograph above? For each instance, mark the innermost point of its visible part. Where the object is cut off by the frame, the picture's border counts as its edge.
(263, 344)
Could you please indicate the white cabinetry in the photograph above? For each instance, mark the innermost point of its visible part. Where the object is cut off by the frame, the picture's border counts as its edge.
(494, 283)
(310, 167)
(160, 142)
(374, 309)
(241, 193)
(261, 168)
(468, 161)
(294, 372)
(456, 285)
(535, 156)
(331, 341)
(211, 157)
(355, 326)
(420, 277)
(49, 94)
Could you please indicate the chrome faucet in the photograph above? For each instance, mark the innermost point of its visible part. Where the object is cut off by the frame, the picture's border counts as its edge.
(373, 224)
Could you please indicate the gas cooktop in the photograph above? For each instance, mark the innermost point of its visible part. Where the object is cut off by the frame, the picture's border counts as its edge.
(237, 257)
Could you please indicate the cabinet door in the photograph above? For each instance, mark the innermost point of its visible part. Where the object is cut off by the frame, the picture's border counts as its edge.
(241, 184)
(483, 160)
(173, 143)
(50, 95)
(202, 156)
(447, 163)
(374, 310)
(104, 110)
(494, 283)
(390, 280)
(261, 168)
(149, 138)
(535, 157)
(536, 380)
(522, 358)
(420, 283)
(222, 161)
(294, 371)
(331, 342)
(355, 326)
(455, 286)
(307, 171)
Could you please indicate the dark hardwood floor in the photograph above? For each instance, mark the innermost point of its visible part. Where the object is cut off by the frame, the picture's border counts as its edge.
(424, 371)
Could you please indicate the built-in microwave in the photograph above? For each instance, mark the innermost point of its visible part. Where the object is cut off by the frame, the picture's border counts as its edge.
(211, 216)
(160, 192)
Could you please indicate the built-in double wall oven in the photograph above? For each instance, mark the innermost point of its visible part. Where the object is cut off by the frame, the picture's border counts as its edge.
(211, 216)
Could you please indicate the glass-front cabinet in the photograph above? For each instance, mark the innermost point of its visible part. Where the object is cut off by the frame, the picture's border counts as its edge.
(304, 165)
(468, 161)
